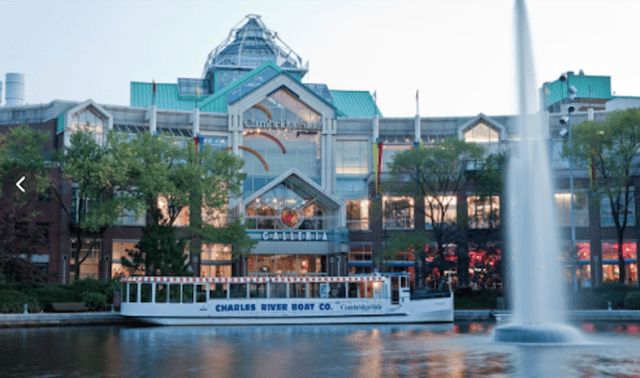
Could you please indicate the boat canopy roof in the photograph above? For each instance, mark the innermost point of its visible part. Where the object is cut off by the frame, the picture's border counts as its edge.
(223, 280)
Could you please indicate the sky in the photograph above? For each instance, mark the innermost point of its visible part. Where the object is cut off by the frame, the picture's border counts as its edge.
(457, 53)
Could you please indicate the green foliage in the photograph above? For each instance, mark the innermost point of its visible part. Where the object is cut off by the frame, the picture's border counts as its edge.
(159, 252)
(599, 297)
(199, 182)
(467, 299)
(12, 301)
(609, 150)
(21, 154)
(94, 301)
(18, 269)
(632, 300)
(414, 243)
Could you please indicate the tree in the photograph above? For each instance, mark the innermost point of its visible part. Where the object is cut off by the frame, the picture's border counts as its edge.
(21, 154)
(186, 181)
(610, 149)
(95, 174)
(437, 175)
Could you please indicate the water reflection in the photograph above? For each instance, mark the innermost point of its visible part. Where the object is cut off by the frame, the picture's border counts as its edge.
(460, 350)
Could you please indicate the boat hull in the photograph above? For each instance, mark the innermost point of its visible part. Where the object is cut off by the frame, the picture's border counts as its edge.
(435, 310)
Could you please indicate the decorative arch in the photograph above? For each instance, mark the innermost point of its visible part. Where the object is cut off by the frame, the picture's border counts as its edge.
(267, 135)
(266, 166)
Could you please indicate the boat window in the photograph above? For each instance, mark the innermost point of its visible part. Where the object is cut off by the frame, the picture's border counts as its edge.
(278, 290)
(218, 291)
(258, 290)
(187, 293)
(337, 290)
(145, 292)
(174, 293)
(201, 293)
(366, 290)
(298, 290)
(133, 292)
(238, 291)
(314, 290)
(161, 293)
(123, 290)
(353, 290)
(377, 289)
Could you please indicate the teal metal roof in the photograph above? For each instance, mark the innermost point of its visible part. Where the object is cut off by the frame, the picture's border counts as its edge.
(358, 104)
(557, 91)
(166, 96)
(217, 103)
(60, 124)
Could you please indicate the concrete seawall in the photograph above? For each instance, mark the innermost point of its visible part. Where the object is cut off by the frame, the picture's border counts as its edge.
(575, 315)
(61, 319)
(114, 318)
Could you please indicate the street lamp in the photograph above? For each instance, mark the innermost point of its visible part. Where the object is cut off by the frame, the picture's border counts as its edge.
(572, 97)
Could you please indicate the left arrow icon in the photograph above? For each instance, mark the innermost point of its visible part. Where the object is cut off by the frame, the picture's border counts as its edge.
(20, 182)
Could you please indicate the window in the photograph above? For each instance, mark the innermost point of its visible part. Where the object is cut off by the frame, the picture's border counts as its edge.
(278, 290)
(482, 133)
(360, 252)
(358, 215)
(120, 250)
(89, 267)
(435, 207)
(483, 212)
(398, 212)
(43, 229)
(388, 153)
(606, 217)
(352, 157)
(145, 292)
(238, 291)
(278, 265)
(218, 291)
(170, 211)
(89, 120)
(580, 207)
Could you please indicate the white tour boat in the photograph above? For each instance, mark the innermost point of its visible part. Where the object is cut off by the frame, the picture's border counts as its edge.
(280, 300)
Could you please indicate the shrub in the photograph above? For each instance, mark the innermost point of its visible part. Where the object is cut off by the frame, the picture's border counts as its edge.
(55, 293)
(94, 301)
(632, 300)
(13, 301)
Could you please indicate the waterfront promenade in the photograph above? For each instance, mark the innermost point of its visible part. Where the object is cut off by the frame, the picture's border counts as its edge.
(114, 318)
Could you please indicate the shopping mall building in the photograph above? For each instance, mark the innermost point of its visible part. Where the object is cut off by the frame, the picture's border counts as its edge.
(309, 162)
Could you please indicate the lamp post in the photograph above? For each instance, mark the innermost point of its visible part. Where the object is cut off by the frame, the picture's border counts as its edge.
(572, 97)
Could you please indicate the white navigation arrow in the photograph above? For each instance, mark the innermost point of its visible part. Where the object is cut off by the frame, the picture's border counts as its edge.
(20, 182)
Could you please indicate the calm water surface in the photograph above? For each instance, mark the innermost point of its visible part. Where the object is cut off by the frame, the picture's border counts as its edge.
(459, 350)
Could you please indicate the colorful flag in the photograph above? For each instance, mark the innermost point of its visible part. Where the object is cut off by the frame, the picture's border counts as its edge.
(197, 91)
(375, 166)
(153, 100)
(380, 147)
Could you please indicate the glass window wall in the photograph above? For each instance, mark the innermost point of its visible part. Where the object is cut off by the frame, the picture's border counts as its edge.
(440, 209)
(397, 212)
(483, 212)
(580, 207)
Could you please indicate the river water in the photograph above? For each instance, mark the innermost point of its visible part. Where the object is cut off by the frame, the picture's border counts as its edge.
(453, 350)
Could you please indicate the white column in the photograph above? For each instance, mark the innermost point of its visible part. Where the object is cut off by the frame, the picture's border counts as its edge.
(152, 117)
(417, 132)
(194, 120)
(590, 114)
